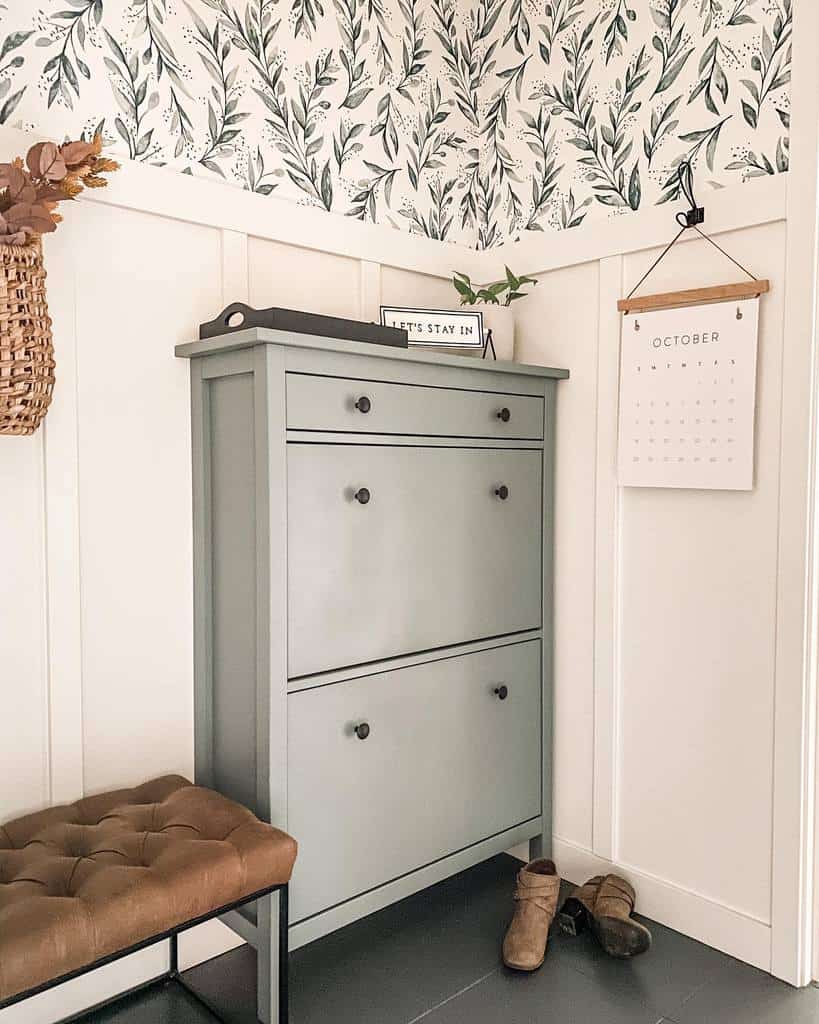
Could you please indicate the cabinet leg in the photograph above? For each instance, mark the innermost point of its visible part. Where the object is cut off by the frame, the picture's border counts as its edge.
(540, 846)
(271, 954)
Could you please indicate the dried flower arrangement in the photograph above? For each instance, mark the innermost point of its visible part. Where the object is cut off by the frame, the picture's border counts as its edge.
(51, 174)
(30, 193)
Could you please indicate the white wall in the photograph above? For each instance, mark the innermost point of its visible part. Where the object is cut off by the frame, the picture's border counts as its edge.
(95, 597)
(665, 620)
(686, 630)
(664, 749)
(96, 671)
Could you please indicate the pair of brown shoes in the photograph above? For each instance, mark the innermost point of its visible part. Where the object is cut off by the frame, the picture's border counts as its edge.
(604, 903)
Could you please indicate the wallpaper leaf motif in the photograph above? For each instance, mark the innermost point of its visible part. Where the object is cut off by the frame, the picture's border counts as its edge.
(463, 120)
(616, 36)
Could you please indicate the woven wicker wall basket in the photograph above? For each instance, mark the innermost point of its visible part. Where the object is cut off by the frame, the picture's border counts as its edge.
(26, 350)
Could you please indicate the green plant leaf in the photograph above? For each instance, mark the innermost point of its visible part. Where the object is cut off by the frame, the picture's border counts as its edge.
(463, 288)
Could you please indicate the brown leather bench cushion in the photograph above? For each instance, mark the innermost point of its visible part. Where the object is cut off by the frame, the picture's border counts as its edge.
(85, 880)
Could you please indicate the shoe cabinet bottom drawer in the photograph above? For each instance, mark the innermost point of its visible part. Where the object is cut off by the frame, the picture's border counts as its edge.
(392, 771)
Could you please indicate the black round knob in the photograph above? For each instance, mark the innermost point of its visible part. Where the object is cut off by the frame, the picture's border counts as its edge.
(502, 692)
(362, 730)
(362, 495)
(504, 415)
(363, 404)
(502, 492)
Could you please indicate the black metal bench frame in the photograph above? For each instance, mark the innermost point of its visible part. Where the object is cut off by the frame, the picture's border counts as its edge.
(173, 974)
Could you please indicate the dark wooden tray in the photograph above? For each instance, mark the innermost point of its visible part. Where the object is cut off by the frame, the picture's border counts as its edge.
(238, 317)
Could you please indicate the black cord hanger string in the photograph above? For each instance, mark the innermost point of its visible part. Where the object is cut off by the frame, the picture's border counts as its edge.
(689, 220)
(695, 214)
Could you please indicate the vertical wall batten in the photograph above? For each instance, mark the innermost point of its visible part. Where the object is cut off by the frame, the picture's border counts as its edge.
(370, 291)
(62, 542)
(607, 555)
(235, 266)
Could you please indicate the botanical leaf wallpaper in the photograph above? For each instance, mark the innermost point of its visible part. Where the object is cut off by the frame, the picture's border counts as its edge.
(463, 120)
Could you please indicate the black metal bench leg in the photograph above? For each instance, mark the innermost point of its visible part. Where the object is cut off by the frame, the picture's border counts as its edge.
(272, 1004)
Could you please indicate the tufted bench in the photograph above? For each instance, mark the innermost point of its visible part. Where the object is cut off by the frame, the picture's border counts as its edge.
(86, 883)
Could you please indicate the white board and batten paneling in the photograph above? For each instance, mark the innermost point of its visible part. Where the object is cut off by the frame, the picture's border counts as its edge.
(666, 640)
(96, 661)
(666, 601)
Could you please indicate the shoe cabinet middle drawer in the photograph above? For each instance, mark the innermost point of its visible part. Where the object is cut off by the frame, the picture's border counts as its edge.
(393, 550)
(389, 772)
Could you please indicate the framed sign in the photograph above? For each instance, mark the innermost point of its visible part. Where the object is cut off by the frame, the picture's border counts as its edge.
(443, 328)
(688, 396)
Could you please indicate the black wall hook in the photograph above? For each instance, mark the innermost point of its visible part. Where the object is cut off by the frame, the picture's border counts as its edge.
(696, 214)
(691, 219)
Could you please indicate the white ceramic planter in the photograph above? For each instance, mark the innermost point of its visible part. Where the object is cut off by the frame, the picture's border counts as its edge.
(501, 320)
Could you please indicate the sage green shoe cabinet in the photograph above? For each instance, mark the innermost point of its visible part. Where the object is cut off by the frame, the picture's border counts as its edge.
(373, 603)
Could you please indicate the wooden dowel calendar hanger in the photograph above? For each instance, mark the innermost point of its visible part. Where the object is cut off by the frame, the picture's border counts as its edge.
(693, 296)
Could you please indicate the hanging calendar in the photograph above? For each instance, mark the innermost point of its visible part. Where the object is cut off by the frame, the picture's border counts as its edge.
(688, 396)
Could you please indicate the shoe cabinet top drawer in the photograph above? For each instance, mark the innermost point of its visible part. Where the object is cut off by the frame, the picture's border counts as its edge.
(377, 407)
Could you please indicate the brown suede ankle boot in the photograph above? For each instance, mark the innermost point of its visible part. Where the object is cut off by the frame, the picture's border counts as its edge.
(536, 898)
(576, 911)
(611, 921)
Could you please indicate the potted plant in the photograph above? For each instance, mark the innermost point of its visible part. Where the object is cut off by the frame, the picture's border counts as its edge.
(29, 194)
(498, 313)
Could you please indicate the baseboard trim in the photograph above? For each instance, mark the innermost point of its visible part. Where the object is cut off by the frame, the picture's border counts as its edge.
(714, 924)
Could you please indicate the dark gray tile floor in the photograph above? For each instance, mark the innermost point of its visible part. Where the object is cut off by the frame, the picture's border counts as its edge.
(434, 957)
